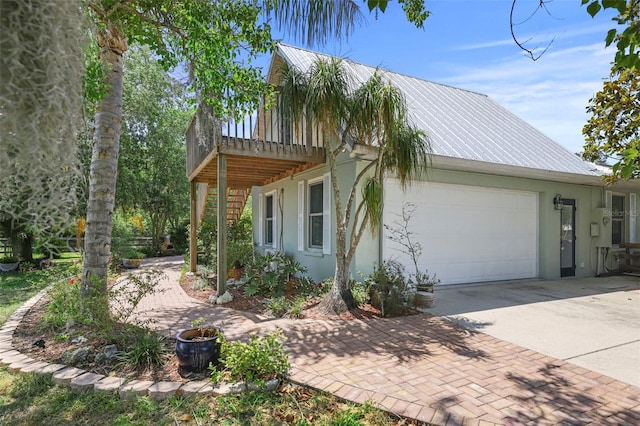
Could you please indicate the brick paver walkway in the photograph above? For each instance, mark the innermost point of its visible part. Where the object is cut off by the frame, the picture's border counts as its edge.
(420, 366)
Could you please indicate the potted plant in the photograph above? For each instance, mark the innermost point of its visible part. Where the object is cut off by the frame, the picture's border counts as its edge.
(237, 270)
(131, 258)
(425, 285)
(198, 347)
(9, 263)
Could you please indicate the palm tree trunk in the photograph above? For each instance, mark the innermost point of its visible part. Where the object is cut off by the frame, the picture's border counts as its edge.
(103, 173)
(339, 299)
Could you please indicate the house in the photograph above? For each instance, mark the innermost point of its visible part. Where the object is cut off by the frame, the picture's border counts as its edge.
(501, 200)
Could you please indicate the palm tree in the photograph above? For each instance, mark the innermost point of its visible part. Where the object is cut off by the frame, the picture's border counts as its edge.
(372, 113)
(193, 32)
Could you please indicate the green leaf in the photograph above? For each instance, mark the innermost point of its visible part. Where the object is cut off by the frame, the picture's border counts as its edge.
(630, 154)
(594, 8)
(584, 2)
(610, 36)
(627, 171)
(379, 4)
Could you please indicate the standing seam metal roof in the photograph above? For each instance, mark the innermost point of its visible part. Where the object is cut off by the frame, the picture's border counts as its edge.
(464, 124)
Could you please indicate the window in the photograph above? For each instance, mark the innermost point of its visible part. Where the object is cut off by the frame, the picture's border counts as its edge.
(268, 219)
(316, 195)
(617, 219)
(314, 215)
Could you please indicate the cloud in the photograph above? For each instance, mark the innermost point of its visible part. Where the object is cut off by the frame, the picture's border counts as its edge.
(541, 38)
(551, 94)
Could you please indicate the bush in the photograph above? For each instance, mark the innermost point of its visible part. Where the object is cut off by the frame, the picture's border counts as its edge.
(180, 237)
(387, 287)
(263, 358)
(269, 275)
(360, 291)
(146, 349)
(64, 303)
(281, 307)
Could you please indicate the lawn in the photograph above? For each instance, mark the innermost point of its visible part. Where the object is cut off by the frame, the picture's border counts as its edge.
(18, 287)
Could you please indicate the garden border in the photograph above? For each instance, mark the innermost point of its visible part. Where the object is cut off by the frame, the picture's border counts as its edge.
(83, 381)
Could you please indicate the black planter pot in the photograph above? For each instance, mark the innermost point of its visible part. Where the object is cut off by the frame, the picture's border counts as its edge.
(196, 349)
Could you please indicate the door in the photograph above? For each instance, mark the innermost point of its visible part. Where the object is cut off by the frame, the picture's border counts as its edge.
(568, 238)
(468, 234)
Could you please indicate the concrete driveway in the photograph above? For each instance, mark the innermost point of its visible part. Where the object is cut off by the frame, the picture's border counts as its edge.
(591, 322)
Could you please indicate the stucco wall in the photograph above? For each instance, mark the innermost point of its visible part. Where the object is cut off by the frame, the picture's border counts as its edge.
(587, 198)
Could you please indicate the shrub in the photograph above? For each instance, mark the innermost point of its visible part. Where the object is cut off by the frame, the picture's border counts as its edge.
(262, 359)
(127, 293)
(146, 349)
(268, 275)
(64, 303)
(387, 288)
(281, 307)
(360, 291)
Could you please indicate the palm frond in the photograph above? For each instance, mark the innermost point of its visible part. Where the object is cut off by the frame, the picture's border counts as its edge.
(314, 22)
(292, 94)
(372, 196)
(327, 99)
(407, 153)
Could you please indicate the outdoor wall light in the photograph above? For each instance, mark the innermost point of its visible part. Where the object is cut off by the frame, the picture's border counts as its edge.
(557, 202)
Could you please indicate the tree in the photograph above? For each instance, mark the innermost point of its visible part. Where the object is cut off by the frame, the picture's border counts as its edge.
(218, 39)
(613, 130)
(372, 113)
(151, 165)
(41, 69)
(628, 40)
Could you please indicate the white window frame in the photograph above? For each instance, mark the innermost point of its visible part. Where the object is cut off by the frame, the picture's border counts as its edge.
(303, 215)
(309, 215)
(272, 221)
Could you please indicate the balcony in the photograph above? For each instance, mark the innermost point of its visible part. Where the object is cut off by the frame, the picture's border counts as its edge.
(259, 149)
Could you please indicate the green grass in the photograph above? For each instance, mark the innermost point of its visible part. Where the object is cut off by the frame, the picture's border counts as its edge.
(18, 287)
(35, 400)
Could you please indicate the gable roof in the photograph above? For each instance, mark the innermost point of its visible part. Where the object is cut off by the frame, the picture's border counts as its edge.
(466, 125)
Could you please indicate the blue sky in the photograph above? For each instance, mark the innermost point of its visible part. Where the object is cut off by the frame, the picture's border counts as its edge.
(468, 44)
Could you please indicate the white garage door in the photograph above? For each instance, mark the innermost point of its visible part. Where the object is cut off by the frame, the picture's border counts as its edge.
(468, 234)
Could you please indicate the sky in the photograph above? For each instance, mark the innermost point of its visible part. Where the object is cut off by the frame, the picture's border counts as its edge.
(468, 44)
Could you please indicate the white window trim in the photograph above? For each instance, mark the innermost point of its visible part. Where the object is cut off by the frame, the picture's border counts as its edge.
(326, 221)
(274, 218)
(260, 219)
(303, 217)
(301, 210)
(307, 224)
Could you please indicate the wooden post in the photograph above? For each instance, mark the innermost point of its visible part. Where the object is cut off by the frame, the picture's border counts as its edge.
(222, 224)
(193, 232)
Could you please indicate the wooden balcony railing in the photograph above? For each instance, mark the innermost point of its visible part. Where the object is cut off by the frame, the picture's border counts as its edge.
(263, 134)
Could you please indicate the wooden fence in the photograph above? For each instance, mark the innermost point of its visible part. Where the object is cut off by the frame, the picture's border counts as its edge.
(70, 244)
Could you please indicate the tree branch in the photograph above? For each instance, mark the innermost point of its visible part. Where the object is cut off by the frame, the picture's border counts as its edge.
(530, 53)
(352, 193)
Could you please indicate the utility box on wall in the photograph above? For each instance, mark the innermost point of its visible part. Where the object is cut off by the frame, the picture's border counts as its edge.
(601, 227)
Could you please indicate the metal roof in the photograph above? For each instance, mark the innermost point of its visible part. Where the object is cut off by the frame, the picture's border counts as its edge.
(464, 124)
